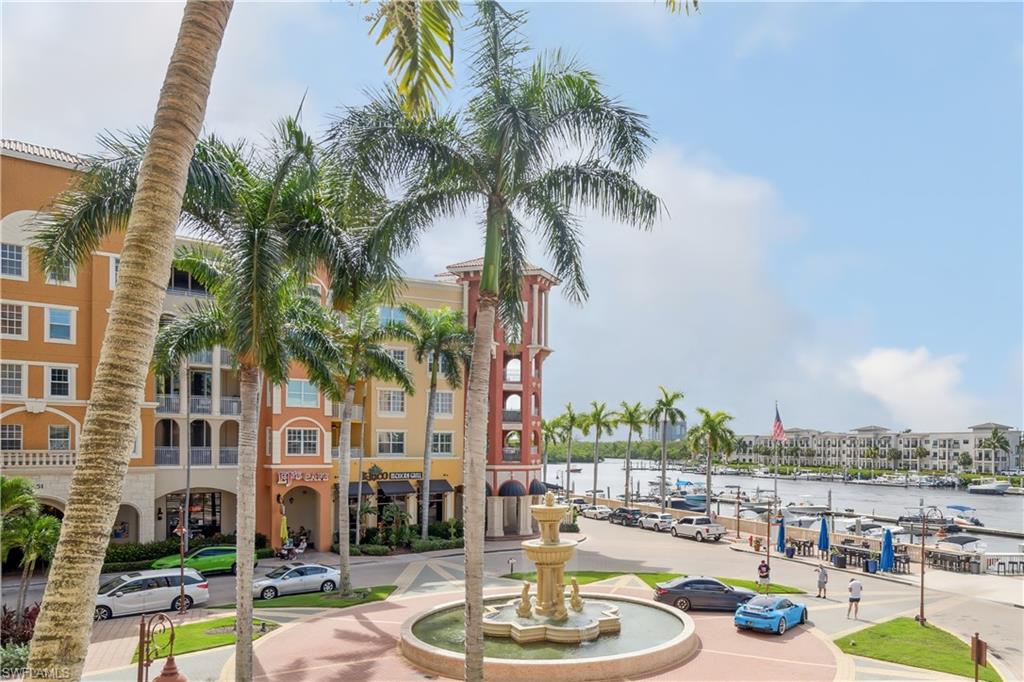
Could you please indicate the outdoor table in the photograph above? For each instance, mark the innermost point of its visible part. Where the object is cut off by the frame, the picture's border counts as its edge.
(901, 563)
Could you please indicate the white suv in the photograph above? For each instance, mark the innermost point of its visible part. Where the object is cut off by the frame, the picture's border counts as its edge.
(149, 591)
(656, 521)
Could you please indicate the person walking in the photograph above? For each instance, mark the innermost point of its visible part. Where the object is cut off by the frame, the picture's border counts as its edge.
(822, 581)
(854, 588)
(763, 575)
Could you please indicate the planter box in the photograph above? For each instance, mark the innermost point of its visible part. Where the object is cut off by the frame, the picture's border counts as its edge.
(790, 552)
(871, 566)
(839, 561)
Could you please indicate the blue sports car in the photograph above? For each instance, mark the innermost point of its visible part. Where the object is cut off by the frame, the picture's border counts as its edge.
(772, 614)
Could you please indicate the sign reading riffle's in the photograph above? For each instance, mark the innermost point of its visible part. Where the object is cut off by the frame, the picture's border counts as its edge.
(289, 477)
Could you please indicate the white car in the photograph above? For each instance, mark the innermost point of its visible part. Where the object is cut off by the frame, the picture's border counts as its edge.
(149, 591)
(294, 578)
(656, 521)
(600, 512)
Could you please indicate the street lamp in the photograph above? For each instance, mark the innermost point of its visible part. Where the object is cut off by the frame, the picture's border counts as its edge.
(925, 513)
(736, 491)
(182, 532)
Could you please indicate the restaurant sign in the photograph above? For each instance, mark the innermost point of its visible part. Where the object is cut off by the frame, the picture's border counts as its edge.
(289, 477)
(381, 475)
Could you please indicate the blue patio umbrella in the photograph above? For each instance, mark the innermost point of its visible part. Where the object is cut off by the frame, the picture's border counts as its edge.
(888, 558)
(823, 535)
(780, 544)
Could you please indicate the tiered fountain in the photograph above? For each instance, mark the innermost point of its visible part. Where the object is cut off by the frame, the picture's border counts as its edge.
(573, 637)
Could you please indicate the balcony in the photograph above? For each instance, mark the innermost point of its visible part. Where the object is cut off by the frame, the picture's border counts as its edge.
(41, 459)
(167, 456)
(227, 358)
(203, 357)
(200, 404)
(353, 452)
(228, 456)
(510, 454)
(168, 403)
(357, 412)
(511, 416)
(231, 405)
(201, 457)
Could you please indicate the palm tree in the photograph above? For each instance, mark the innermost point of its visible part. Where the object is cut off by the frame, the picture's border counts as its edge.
(17, 495)
(64, 625)
(872, 454)
(569, 421)
(712, 435)
(920, 452)
(964, 460)
(362, 338)
(443, 340)
(893, 455)
(662, 414)
(633, 417)
(602, 421)
(996, 442)
(551, 431)
(506, 156)
(36, 536)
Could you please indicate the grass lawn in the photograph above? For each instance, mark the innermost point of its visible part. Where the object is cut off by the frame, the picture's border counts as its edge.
(652, 579)
(903, 641)
(323, 600)
(205, 635)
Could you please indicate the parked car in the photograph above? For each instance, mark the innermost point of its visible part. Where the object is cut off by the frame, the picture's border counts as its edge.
(656, 521)
(772, 614)
(149, 591)
(700, 528)
(600, 512)
(294, 578)
(579, 503)
(701, 592)
(624, 515)
(205, 560)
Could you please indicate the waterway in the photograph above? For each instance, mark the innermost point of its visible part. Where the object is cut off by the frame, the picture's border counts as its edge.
(995, 511)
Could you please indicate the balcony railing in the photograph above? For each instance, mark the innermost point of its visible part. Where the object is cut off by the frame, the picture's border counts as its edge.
(513, 376)
(200, 404)
(201, 457)
(511, 415)
(231, 405)
(353, 452)
(228, 456)
(203, 357)
(37, 458)
(510, 454)
(227, 358)
(357, 412)
(168, 403)
(168, 456)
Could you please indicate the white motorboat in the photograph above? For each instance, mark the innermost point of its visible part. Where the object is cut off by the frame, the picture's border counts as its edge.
(988, 486)
(964, 516)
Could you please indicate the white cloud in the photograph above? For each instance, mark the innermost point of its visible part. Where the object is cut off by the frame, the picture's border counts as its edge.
(919, 389)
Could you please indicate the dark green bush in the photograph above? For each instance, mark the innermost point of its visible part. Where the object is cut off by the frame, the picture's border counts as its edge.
(434, 544)
(364, 550)
(568, 528)
(126, 566)
(265, 553)
(132, 552)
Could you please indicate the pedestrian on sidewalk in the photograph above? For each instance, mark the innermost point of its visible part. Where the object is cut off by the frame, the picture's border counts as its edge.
(763, 575)
(822, 581)
(854, 588)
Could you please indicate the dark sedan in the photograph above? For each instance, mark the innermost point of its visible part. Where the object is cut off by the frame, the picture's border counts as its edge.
(700, 592)
(626, 516)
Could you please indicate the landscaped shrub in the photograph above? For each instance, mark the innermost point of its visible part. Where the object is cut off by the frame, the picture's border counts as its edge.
(445, 530)
(13, 660)
(126, 566)
(12, 632)
(265, 553)
(434, 544)
(138, 551)
(375, 550)
(568, 527)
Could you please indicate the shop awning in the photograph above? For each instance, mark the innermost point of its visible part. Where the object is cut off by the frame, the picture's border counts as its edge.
(395, 488)
(440, 485)
(353, 489)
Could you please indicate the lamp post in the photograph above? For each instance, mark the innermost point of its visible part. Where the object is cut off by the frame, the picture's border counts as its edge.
(181, 531)
(925, 512)
(736, 491)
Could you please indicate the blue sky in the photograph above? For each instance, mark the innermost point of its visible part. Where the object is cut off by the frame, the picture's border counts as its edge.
(844, 183)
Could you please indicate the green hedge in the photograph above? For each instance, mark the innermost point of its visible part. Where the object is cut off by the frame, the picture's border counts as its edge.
(133, 552)
(568, 528)
(126, 566)
(265, 553)
(433, 544)
(364, 550)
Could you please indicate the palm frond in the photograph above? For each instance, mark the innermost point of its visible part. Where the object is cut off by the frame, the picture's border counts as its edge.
(513, 265)
(560, 230)
(197, 327)
(205, 266)
(594, 185)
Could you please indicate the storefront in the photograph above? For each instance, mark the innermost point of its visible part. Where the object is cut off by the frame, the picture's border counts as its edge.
(301, 506)
(205, 516)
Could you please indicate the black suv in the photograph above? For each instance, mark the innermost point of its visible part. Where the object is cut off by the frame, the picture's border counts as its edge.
(625, 516)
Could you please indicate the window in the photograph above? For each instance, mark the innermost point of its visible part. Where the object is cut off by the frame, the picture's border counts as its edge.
(11, 380)
(10, 436)
(389, 314)
(391, 401)
(303, 441)
(59, 324)
(63, 274)
(12, 320)
(444, 403)
(59, 382)
(441, 443)
(301, 393)
(60, 437)
(442, 368)
(115, 266)
(397, 354)
(391, 443)
(12, 261)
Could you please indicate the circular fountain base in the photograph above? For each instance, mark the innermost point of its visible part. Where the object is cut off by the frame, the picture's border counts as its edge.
(653, 637)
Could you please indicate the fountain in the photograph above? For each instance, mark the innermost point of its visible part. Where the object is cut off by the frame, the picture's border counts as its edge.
(582, 637)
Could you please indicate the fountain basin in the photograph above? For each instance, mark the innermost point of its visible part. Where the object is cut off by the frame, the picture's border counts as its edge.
(595, 619)
(653, 637)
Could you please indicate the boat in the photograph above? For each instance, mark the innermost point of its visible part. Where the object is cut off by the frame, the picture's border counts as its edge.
(963, 543)
(988, 486)
(916, 525)
(803, 514)
(964, 516)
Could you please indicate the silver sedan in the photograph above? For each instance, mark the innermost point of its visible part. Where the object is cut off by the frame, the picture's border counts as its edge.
(296, 577)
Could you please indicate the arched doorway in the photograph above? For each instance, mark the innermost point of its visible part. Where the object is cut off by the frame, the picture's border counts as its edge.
(126, 525)
(302, 510)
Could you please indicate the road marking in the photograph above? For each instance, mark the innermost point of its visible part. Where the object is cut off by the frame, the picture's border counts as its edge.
(441, 571)
(406, 578)
(792, 661)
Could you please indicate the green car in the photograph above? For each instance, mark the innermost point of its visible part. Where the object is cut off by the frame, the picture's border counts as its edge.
(205, 560)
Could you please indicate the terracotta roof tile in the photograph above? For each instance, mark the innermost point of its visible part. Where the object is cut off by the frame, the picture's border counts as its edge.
(42, 153)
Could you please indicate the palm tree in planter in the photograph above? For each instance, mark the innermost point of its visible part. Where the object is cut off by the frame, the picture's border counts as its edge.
(362, 339)
(996, 442)
(568, 422)
(441, 338)
(712, 435)
(507, 156)
(634, 418)
(662, 414)
(551, 432)
(600, 420)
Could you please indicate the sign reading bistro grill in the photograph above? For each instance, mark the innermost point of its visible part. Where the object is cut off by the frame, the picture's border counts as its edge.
(381, 475)
(289, 477)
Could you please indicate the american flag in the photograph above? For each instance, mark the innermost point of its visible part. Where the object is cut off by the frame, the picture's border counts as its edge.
(778, 432)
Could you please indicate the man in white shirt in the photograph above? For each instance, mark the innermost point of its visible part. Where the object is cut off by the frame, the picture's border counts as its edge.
(854, 588)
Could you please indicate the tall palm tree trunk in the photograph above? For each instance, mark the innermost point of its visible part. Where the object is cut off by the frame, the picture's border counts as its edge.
(707, 485)
(425, 484)
(568, 466)
(26, 575)
(629, 452)
(245, 535)
(344, 457)
(474, 472)
(65, 623)
(664, 460)
(597, 442)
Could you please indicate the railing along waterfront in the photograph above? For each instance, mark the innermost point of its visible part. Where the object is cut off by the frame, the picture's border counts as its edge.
(38, 458)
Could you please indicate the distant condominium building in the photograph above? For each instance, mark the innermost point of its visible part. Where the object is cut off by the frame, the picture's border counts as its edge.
(673, 432)
(51, 330)
(952, 451)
